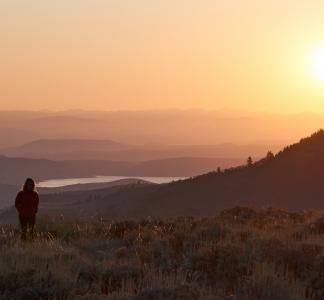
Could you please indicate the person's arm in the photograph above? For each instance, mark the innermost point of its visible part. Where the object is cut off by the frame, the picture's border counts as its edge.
(18, 202)
(36, 203)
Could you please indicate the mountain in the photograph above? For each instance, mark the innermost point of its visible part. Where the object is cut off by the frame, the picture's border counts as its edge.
(7, 194)
(182, 166)
(45, 148)
(163, 127)
(92, 186)
(292, 179)
(84, 203)
(16, 170)
(78, 149)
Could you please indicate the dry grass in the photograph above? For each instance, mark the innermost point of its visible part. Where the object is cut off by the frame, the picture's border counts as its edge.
(241, 254)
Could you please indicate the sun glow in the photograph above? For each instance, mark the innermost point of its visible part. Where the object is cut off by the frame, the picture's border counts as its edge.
(316, 60)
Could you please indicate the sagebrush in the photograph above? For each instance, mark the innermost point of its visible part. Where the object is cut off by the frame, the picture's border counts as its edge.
(241, 254)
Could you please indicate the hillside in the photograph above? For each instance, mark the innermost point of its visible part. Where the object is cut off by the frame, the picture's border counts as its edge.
(292, 179)
(9, 192)
(115, 200)
(182, 166)
(91, 186)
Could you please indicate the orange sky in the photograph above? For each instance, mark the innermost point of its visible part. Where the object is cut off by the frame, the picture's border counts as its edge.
(144, 54)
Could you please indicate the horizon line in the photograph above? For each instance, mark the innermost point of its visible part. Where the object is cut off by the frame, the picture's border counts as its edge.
(193, 109)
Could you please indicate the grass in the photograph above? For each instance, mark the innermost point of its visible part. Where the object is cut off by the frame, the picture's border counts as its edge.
(241, 254)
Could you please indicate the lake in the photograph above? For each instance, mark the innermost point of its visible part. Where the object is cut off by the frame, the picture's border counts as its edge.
(53, 183)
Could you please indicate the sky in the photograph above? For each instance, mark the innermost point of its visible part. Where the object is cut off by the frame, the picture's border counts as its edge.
(255, 55)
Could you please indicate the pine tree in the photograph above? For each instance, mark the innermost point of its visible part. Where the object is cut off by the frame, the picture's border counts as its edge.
(269, 155)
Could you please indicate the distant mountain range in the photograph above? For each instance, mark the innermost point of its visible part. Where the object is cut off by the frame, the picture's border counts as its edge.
(79, 149)
(16, 170)
(38, 148)
(156, 127)
(292, 179)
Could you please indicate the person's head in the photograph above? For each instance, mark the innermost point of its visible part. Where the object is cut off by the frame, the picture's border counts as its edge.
(29, 185)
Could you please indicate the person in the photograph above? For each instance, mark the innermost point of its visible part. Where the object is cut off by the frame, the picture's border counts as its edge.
(26, 204)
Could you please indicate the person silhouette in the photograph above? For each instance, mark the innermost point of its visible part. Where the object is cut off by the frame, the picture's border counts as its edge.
(26, 204)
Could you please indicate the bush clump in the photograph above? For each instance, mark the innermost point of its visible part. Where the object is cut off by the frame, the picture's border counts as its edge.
(241, 254)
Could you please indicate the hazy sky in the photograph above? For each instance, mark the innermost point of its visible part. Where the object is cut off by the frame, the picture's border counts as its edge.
(147, 54)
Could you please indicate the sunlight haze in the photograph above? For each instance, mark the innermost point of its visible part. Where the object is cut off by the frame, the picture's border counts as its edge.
(108, 55)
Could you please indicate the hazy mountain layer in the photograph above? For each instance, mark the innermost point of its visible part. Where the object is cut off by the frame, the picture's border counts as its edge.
(173, 127)
(16, 170)
(291, 179)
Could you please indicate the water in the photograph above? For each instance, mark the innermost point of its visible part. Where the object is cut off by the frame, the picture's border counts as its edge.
(53, 183)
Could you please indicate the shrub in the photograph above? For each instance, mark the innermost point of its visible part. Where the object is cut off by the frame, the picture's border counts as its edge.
(116, 276)
(269, 287)
(242, 254)
(181, 292)
(30, 284)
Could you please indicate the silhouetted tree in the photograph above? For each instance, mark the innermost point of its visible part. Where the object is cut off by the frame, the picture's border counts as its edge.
(219, 170)
(249, 161)
(269, 155)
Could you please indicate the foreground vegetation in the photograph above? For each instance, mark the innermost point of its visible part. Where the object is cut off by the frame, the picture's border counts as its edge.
(241, 254)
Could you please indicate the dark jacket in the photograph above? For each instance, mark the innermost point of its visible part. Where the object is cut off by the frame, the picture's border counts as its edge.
(27, 203)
